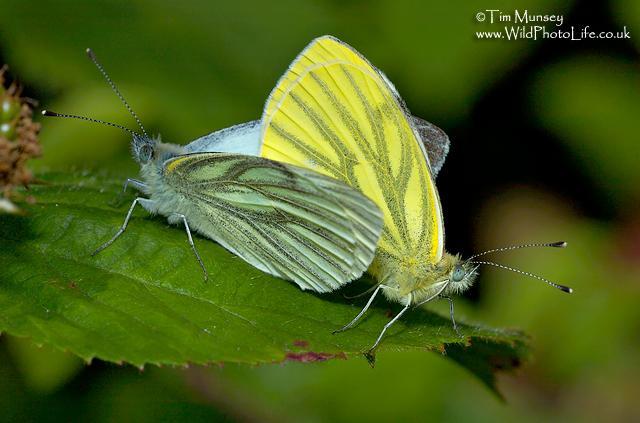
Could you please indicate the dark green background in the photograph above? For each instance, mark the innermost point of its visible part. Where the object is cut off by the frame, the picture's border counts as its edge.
(544, 147)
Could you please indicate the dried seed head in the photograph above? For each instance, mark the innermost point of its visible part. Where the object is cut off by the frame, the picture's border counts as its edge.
(18, 136)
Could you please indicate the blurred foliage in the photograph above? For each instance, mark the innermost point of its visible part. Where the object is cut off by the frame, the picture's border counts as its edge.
(627, 12)
(44, 368)
(193, 67)
(582, 340)
(607, 108)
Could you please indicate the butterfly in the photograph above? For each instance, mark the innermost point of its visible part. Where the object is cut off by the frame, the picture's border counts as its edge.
(285, 220)
(333, 112)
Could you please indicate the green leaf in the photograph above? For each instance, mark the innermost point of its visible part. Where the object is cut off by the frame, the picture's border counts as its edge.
(143, 300)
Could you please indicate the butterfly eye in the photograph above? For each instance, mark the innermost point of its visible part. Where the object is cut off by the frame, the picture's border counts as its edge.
(145, 152)
(458, 274)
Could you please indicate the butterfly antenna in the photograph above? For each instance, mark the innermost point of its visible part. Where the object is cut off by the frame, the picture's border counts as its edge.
(104, 73)
(522, 272)
(114, 125)
(557, 244)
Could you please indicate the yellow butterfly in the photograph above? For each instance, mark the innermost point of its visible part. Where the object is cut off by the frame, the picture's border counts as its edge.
(335, 113)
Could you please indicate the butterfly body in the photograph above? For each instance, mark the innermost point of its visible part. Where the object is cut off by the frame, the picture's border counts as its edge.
(421, 279)
(290, 222)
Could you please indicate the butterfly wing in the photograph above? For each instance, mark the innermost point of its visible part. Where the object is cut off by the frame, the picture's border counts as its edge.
(243, 138)
(291, 222)
(335, 113)
(436, 143)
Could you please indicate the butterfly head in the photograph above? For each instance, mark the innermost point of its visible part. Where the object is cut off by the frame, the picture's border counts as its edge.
(143, 148)
(456, 273)
(461, 275)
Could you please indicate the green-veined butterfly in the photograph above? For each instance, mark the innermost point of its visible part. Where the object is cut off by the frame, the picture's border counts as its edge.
(288, 221)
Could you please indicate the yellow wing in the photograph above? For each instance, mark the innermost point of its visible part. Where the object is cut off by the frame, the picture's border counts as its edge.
(335, 113)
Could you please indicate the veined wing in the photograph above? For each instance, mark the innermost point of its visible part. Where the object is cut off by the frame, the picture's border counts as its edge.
(435, 142)
(291, 222)
(333, 112)
(244, 138)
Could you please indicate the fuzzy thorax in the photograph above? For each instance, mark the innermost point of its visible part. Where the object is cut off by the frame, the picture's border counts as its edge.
(451, 275)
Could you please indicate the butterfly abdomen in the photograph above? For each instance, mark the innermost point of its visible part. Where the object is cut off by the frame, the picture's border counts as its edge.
(411, 275)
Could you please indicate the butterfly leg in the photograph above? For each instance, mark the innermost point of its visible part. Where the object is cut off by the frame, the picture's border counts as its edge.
(362, 294)
(366, 307)
(144, 202)
(193, 246)
(370, 355)
(453, 320)
(139, 185)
